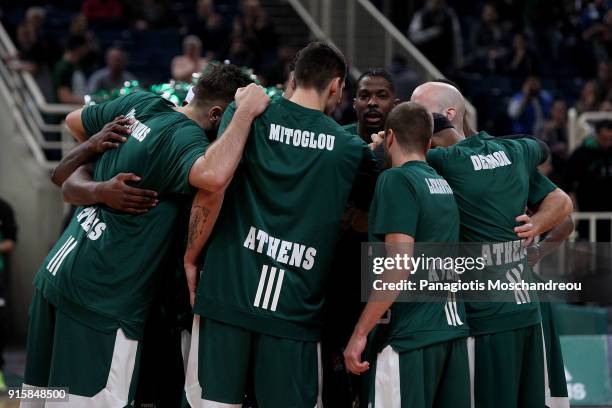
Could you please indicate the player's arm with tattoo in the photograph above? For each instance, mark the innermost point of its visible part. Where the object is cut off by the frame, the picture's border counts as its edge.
(396, 244)
(204, 212)
(213, 171)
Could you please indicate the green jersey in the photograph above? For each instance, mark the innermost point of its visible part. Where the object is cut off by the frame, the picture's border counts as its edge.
(414, 200)
(351, 128)
(491, 180)
(103, 269)
(267, 259)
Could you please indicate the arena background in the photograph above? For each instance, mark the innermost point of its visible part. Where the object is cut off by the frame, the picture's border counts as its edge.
(556, 51)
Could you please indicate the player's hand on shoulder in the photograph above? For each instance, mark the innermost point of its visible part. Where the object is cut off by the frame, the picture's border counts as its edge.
(252, 100)
(377, 139)
(117, 194)
(111, 136)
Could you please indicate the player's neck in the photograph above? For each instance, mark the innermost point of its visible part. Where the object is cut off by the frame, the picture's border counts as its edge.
(404, 157)
(194, 114)
(366, 133)
(309, 98)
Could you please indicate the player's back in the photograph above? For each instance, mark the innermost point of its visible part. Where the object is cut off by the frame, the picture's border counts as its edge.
(267, 258)
(103, 251)
(490, 178)
(413, 199)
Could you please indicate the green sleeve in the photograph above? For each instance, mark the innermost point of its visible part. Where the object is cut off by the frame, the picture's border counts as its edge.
(96, 116)
(395, 208)
(539, 187)
(185, 147)
(227, 118)
(532, 152)
(435, 158)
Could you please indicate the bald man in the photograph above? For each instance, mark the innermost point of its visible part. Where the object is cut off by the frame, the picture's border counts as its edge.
(494, 180)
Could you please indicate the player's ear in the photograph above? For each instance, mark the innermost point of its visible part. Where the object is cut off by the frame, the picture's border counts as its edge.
(214, 115)
(429, 144)
(389, 138)
(450, 114)
(396, 101)
(335, 86)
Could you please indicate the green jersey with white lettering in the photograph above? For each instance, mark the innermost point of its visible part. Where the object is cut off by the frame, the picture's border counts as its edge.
(267, 259)
(104, 268)
(491, 181)
(414, 200)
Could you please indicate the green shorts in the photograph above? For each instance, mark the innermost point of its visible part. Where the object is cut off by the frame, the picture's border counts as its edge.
(98, 368)
(436, 376)
(222, 359)
(508, 368)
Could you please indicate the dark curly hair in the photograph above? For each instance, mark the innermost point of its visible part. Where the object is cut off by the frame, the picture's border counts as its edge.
(219, 83)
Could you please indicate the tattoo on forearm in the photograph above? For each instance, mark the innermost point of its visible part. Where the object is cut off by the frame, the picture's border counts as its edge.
(199, 216)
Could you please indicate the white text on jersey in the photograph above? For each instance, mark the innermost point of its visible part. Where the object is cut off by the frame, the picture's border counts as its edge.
(438, 186)
(91, 224)
(490, 161)
(139, 131)
(302, 138)
(285, 252)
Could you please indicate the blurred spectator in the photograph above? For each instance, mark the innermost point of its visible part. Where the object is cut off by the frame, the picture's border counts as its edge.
(542, 21)
(37, 52)
(435, 30)
(593, 14)
(488, 42)
(600, 36)
(153, 14)
(80, 28)
(554, 133)
(589, 175)
(277, 72)
(190, 62)
(103, 12)
(242, 53)
(404, 78)
(210, 28)
(522, 61)
(8, 237)
(113, 76)
(604, 78)
(589, 98)
(606, 106)
(254, 26)
(68, 79)
(529, 107)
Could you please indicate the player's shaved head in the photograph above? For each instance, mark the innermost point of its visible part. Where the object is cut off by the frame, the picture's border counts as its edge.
(442, 98)
(412, 125)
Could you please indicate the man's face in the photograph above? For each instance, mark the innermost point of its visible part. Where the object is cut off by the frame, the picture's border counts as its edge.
(604, 138)
(115, 61)
(373, 102)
